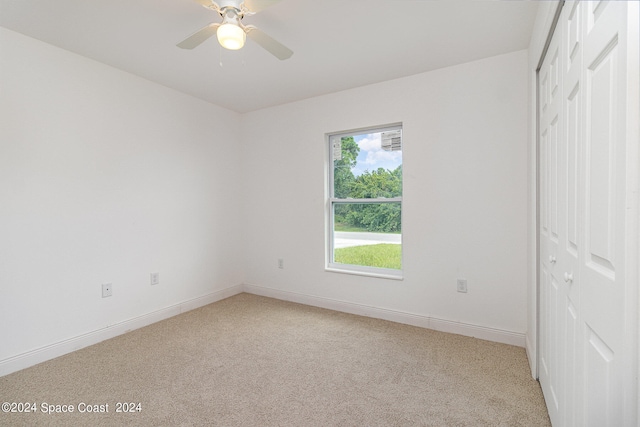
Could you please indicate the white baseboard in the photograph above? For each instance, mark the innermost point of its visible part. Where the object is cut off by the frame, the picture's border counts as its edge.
(481, 332)
(42, 354)
(54, 350)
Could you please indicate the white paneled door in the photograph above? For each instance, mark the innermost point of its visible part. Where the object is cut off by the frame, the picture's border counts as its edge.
(588, 231)
(551, 198)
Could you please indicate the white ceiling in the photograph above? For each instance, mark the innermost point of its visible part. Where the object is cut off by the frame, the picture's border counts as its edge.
(337, 44)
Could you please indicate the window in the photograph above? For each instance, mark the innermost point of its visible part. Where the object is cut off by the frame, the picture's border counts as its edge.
(364, 207)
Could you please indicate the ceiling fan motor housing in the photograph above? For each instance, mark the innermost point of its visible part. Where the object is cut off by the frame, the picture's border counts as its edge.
(224, 5)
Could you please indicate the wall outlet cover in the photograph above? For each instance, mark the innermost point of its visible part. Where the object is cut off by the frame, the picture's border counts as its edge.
(107, 290)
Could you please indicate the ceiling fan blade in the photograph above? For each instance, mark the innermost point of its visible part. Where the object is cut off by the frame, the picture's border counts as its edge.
(258, 5)
(209, 4)
(199, 36)
(268, 43)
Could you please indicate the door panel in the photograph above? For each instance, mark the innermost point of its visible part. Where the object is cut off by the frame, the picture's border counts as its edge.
(544, 324)
(601, 207)
(572, 366)
(554, 190)
(544, 189)
(600, 382)
(554, 343)
(573, 113)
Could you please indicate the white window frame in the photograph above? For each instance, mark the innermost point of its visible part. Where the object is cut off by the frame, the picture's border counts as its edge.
(331, 201)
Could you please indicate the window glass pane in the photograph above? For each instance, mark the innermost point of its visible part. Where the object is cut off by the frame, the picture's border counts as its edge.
(374, 241)
(368, 165)
(366, 201)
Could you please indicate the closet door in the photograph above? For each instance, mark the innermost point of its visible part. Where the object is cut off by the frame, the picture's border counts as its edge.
(560, 136)
(588, 251)
(552, 221)
(603, 260)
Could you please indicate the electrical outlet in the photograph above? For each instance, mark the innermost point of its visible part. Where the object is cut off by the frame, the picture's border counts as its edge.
(280, 263)
(107, 290)
(462, 285)
(155, 278)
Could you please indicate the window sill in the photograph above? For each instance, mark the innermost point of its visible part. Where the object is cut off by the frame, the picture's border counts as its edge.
(379, 275)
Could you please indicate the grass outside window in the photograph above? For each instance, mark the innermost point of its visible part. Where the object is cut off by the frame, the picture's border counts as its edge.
(382, 255)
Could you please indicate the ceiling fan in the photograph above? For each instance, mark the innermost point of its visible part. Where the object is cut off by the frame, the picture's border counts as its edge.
(231, 31)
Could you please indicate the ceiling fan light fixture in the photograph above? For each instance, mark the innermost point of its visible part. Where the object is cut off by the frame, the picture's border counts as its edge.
(231, 36)
(231, 32)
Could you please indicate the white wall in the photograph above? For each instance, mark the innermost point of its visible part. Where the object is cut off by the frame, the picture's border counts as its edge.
(465, 197)
(106, 177)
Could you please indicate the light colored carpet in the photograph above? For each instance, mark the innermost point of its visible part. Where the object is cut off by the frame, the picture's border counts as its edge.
(255, 361)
